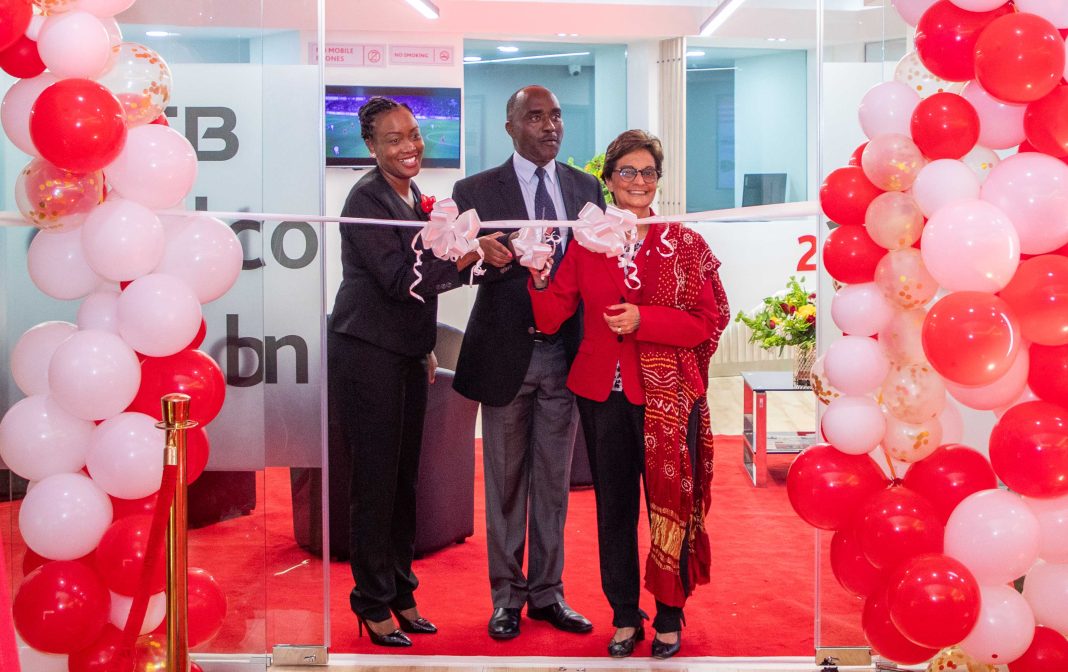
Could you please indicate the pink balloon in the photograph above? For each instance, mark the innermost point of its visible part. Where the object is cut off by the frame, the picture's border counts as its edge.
(75, 44)
(913, 392)
(944, 182)
(57, 265)
(124, 456)
(861, 310)
(38, 439)
(952, 423)
(1004, 629)
(912, 10)
(206, 254)
(122, 240)
(1000, 123)
(855, 365)
(15, 110)
(894, 220)
(94, 375)
(971, 246)
(1052, 516)
(901, 339)
(998, 393)
(33, 351)
(853, 425)
(904, 279)
(158, 315)
(1025, 396)
(1054, 11)
(887, 108)
(909, 442)
(156, 168)
(994, 534)
(1046, 590)
(99, 310)
(979, 5)
(891, 161)
(64, 516)
(1032, 190)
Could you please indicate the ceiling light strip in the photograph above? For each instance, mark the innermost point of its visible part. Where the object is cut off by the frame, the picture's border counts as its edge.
(426, 8)
(718, 17)
(527, 58)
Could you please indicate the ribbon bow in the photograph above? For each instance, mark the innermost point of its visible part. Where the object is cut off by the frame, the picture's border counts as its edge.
(449, 235)
(531, 247)
(613, 233)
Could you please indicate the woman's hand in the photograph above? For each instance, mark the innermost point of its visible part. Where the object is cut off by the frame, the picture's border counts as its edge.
(625, 318)
(541, 275)
(431, 367)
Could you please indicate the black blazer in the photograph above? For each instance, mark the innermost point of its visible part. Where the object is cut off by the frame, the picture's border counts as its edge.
(499, 339)
(373, 302)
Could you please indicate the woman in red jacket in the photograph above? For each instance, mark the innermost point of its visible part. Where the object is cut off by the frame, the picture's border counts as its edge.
(641, 377)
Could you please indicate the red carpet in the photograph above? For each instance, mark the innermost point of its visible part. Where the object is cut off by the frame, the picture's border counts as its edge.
(760, 601)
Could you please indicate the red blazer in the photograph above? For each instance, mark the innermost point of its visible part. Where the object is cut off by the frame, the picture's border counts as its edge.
(597, 281)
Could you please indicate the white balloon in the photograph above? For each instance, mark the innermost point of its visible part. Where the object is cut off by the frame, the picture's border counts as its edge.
(75, 44)
(39, 661)
(122, 240)
(981, 160)
(15, 110)
(911, 72)
(120, 611)
(64, 516)
(861, 310)
(853, 425)
(856, 365)
(125, 456)
(33, 31)
(1054, 11)
(887, 108)
(100, 310)
(1046, 590)
(33, 352)
(944, 182)
(158, 315)
(157, 167)
(1052, 515)
(57, 265)
(1005, 627)
(39, 439)
(94, 375)
(994, 534)
(206, 254)
(979, 5)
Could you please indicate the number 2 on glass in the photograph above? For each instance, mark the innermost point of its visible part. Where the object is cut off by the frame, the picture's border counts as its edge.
(805, 263)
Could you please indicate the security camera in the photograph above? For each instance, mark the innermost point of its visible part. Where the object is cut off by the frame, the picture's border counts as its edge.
(574, 69)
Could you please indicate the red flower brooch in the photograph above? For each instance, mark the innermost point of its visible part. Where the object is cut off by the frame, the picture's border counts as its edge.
(427, 203)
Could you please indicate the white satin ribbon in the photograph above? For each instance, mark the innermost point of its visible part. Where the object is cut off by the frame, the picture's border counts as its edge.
(532, 249)
(449, 235)
(613, 233)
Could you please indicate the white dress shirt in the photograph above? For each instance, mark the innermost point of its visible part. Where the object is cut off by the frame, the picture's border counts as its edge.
(528, 182)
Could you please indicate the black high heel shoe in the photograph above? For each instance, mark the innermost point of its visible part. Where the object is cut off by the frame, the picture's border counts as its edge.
(664, 650)
(625, 647)
(395, 638)
(419, 626)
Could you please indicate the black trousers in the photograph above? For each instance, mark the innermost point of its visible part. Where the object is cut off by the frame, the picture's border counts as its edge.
(380, 398)
(615, 439)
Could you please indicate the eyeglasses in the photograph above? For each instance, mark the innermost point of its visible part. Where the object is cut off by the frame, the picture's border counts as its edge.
(648, 174)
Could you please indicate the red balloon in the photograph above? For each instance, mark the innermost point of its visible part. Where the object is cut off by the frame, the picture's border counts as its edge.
(21, 59)
(845, 195)
(1019, 57)
(98, 656)
(199, 338)
(884, 636)
(122, 508)
(850, 255)
(934, 600)
(1038, 294)
(971, 338)
(161, 120)
(1048, 652)
(120, 557)
(61, 607)
(1046, 123)
(850, 567)
(15, 18)
(78, 124)
(945, 126)
(854, 158)
(1029, 449)
(948, 475)
(207, 606)
(1025, 146)
(190, 372)
(896, 525)
(946, 36)
(1049, 365)
(197, 447)
(826, 486)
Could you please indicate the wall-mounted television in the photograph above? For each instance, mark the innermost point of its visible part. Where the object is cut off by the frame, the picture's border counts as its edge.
(436, 109)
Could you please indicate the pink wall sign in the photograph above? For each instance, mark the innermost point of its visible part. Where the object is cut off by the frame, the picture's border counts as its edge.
(420, 55)
(350, 55)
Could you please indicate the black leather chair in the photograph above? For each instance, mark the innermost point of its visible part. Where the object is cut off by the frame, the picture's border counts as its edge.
(445, 503)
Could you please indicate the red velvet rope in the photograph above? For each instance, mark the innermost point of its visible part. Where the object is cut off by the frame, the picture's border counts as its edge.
(124, 657)
(9, 652)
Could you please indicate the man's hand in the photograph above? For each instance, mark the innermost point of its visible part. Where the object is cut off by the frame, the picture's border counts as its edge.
(496, 253)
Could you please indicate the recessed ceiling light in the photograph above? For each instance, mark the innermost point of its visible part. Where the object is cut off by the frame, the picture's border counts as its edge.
(561, 34)
(574, 34)
(693, 53)
(159, 33)
(426, 8)
(781, 39)
(472, 59)
(507, 49)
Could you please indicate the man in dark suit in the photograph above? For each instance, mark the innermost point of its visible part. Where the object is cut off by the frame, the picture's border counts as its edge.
(519, 374)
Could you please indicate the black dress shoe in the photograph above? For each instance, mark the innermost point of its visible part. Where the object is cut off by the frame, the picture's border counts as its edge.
(395, 638)
(625, 647)
(504, 623)
(419, 626)
(664, 650)
(561, 616)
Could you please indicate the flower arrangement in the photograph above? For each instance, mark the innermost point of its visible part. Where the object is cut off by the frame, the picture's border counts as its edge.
(784, 320)
(595, 167)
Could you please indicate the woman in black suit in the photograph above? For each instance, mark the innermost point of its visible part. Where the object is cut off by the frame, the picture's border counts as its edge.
(380, 356)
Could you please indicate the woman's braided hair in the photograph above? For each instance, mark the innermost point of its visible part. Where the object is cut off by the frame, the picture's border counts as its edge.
(370, 111)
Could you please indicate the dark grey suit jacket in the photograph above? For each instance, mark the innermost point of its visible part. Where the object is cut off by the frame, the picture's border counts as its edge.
(500, 332)
(373, 302)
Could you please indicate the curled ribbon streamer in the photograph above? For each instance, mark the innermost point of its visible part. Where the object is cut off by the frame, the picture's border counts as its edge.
(449, 235)
(670, 246)
(531, 249)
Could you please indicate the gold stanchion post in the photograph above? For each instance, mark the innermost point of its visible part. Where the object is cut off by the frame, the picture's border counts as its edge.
(176, 421)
